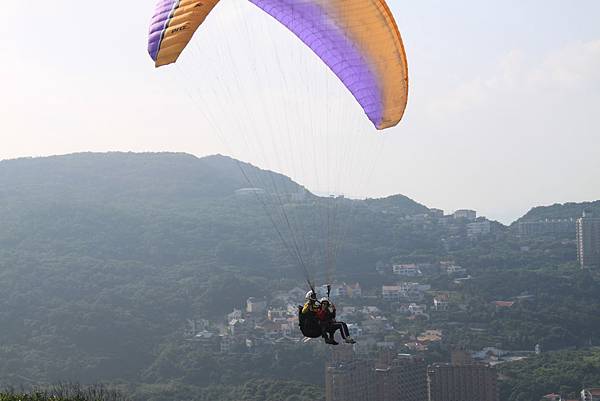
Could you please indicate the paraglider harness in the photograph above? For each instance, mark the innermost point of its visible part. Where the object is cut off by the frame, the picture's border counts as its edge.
(308, 322)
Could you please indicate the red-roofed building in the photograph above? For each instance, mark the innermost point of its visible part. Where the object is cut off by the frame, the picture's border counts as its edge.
(504, 304)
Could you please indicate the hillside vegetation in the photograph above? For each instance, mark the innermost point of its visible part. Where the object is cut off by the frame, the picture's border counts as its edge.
(561, 211)
(564, 372)
(104, 258)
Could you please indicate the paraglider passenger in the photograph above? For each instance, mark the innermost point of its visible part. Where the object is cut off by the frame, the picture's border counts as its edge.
(326, 315)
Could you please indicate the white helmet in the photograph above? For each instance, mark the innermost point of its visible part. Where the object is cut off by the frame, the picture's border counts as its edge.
(324, 299)
(311, 295)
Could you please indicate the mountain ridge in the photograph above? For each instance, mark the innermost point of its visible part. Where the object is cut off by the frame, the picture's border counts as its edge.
(213, 176)
(568, 210)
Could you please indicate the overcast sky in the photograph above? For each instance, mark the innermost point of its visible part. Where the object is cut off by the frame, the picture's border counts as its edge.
(504, 109)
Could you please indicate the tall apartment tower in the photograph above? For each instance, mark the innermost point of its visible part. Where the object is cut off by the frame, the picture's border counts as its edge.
(471, 382)
(392, 378)
(350, 381)
(403, 379)
(588, 241)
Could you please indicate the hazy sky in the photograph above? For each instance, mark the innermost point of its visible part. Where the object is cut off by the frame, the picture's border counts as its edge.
(504, 109)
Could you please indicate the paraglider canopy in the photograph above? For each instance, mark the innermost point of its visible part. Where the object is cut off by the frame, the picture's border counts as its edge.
(357, 39)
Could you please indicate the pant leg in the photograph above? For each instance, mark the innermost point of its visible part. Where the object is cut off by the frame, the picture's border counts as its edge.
(341, 326)
(325, 330)
(344, 330)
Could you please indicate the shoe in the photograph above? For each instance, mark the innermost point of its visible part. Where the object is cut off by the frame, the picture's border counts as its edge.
(350, 340)
(331, 341)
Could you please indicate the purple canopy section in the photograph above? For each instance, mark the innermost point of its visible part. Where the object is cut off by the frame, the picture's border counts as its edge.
(158, 24)
(313, 26)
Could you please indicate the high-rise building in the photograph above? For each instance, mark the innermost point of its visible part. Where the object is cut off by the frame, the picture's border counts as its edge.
(404, 379)
(401, 378)
(588, 241)
(465, 214)
(350, 381)
(478, 228)
(545, 227)
(392, 378)
(469, 382)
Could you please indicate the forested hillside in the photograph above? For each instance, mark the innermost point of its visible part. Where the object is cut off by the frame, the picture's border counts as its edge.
(104, 258)
(561, 211)
(564, 372)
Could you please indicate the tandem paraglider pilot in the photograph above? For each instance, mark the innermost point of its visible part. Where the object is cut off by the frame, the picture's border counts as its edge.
(317, 319)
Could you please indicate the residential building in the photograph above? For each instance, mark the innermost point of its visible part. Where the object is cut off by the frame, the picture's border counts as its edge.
(590, 394)
(392, 292)
(255, 305)
(408, 270)
(207, 341)
(409, 291)
(374, 326)
(370, 310)
(277, 314)
(337, 290)
(465, 214)
(385, 384)
(235, 315)
(441, 302)
(430, 336)
(455, 270)
(503, 304)
(444, 264)
(588, 241)
(436, 213)
(239, 326)
(352, 380)
(397, 378)
(417, 310)
(354, 290)
(446, 220)
(415, 287)
(402, 379)
(347, 310)
(545, 227)
(469, 382)
(479, 228)
(488, 353)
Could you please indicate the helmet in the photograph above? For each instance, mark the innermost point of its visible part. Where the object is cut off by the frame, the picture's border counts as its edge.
(311, 295)
(324, 300)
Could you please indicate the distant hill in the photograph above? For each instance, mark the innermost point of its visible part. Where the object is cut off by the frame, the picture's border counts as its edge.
(144, 177)
(150, 180)
(397, 203)
(560, 211)
(167, 207)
